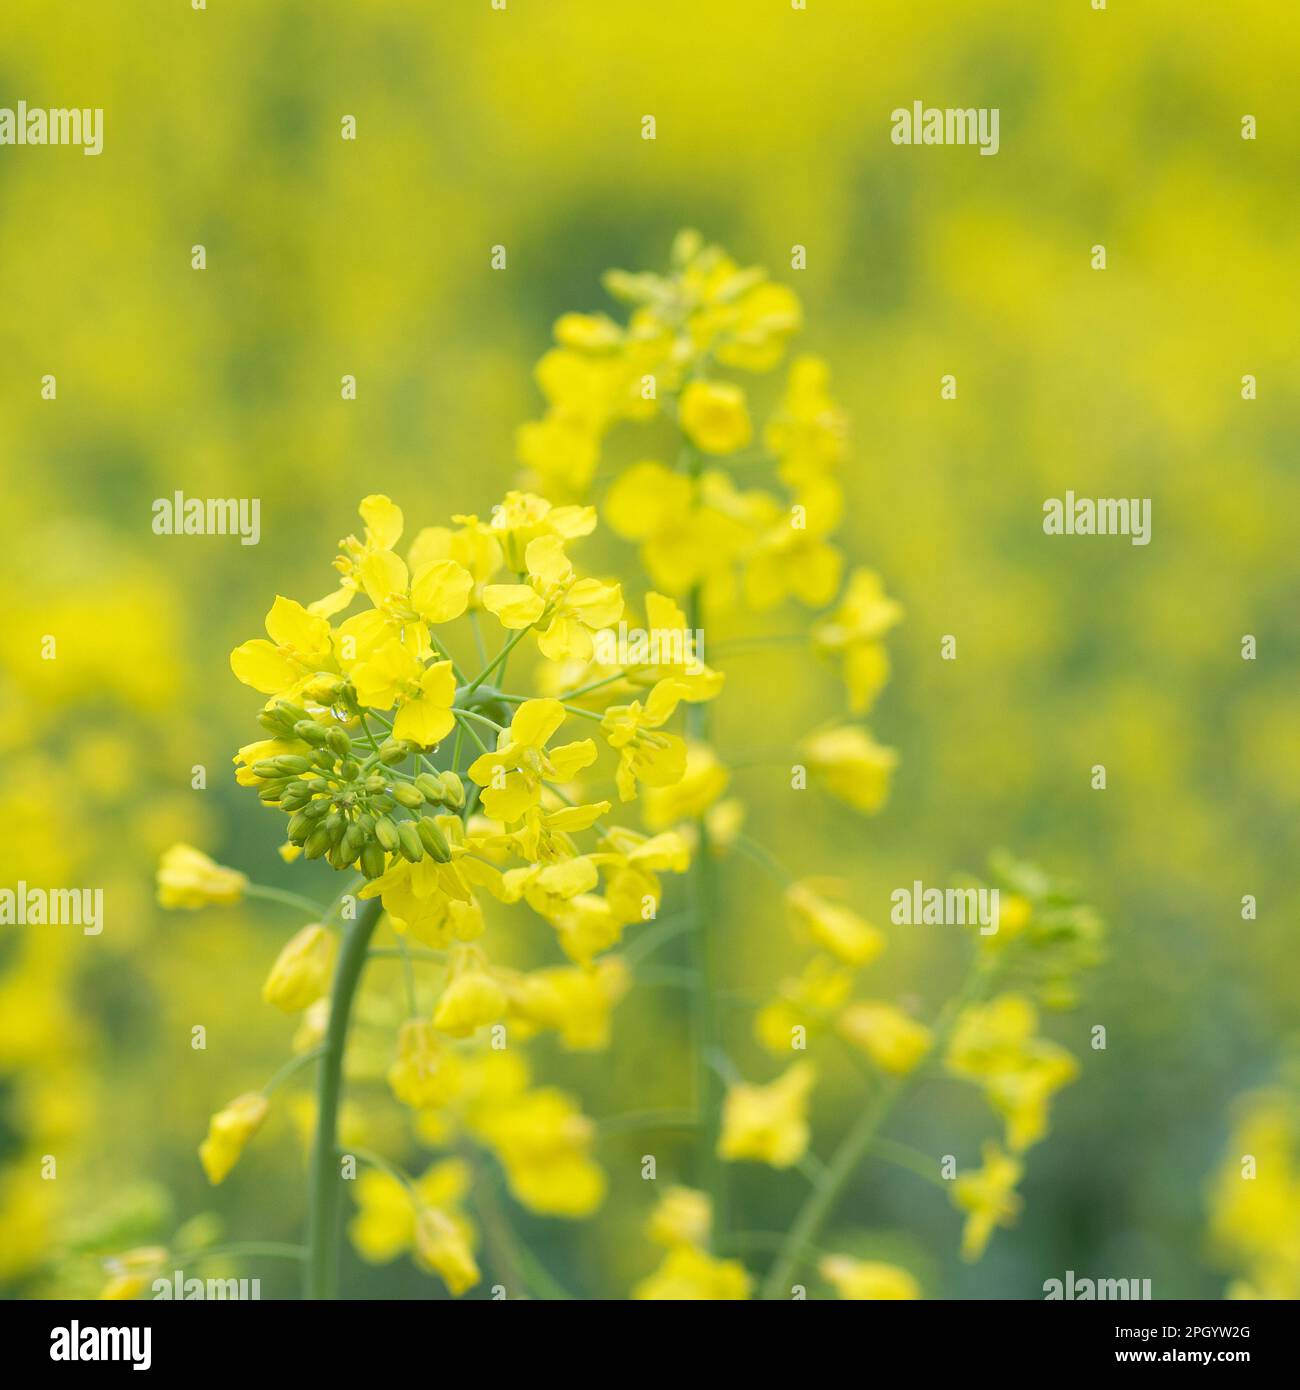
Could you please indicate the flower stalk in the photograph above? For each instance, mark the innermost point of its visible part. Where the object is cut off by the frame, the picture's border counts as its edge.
(323, 1192)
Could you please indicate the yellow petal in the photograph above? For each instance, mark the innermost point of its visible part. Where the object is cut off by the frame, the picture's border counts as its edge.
(441, 591)
(514, 605)
(383, 520)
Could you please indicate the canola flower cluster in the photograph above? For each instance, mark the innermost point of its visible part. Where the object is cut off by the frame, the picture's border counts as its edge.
(1255, 1194)
(446, 794)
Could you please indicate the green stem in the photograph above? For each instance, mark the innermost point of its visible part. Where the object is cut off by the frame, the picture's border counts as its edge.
(292, 1065)
(323, 1190)
(704, 911)
(281, 895)
(855, 1145)
(270, 1249)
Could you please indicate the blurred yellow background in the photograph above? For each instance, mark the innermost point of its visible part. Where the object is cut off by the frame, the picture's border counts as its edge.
(522, 127)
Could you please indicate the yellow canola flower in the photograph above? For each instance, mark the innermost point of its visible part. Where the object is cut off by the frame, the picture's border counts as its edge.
(263, 750)
(768, 1124)
(688, 1274)
(393, 675)
(229, 1130)
(384, 523)
(301, 971)
(703, 782)
(994, 1045)
(132, 1272)
(301, 646)
(867, 1279)
(853, 633)
(472, 999)
(804, 1005)
(471, 545)
(576, 607)
(851, 766)
(714, 417)
(1021, 1095)
(578, 1004)
(988, 1197)
(893, 1040)
(390, 1219)
(425, 1074)
(512, 775)
(524, 517)
(544, 1143)
(631, 863)
(441, 1246)
(658, 760)
(791, 556)
(690, 533)
(1255, 1213)
(682, 1216)
(844, 934)
(808, 431)
(189, 878)
(991, 1037)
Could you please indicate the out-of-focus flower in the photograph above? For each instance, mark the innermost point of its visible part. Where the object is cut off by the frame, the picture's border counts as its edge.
(301, 971)
(851, 765)
(229, 1130)
(988, 1197)
(893, 1040)
(188, 878)
(867, 1279)
(688, 1274)
(768, 1124)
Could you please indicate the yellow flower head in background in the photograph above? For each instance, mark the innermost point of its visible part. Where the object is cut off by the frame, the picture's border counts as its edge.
(229, 1131)
(768, 1124)
(188, 878)
(867, 1279)
(988, 1197)
(301, 971)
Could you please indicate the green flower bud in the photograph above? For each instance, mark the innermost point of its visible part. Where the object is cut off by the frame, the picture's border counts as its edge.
(453, 790)
(317, 808)
(352, 843)
(310, 732)
(391, 752)
(407, 796)
(409, 842)
(317, 843)
(386, 834)
(296, 796)
(334, 825)
(430, 786)
(265, 767)
(372, 860)
(299, 828)
(433, 840)
(349, 768)
(275, 723)
(375, 783)
(271, 793)
(323, 759)
(339, 741)
(288, 764)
